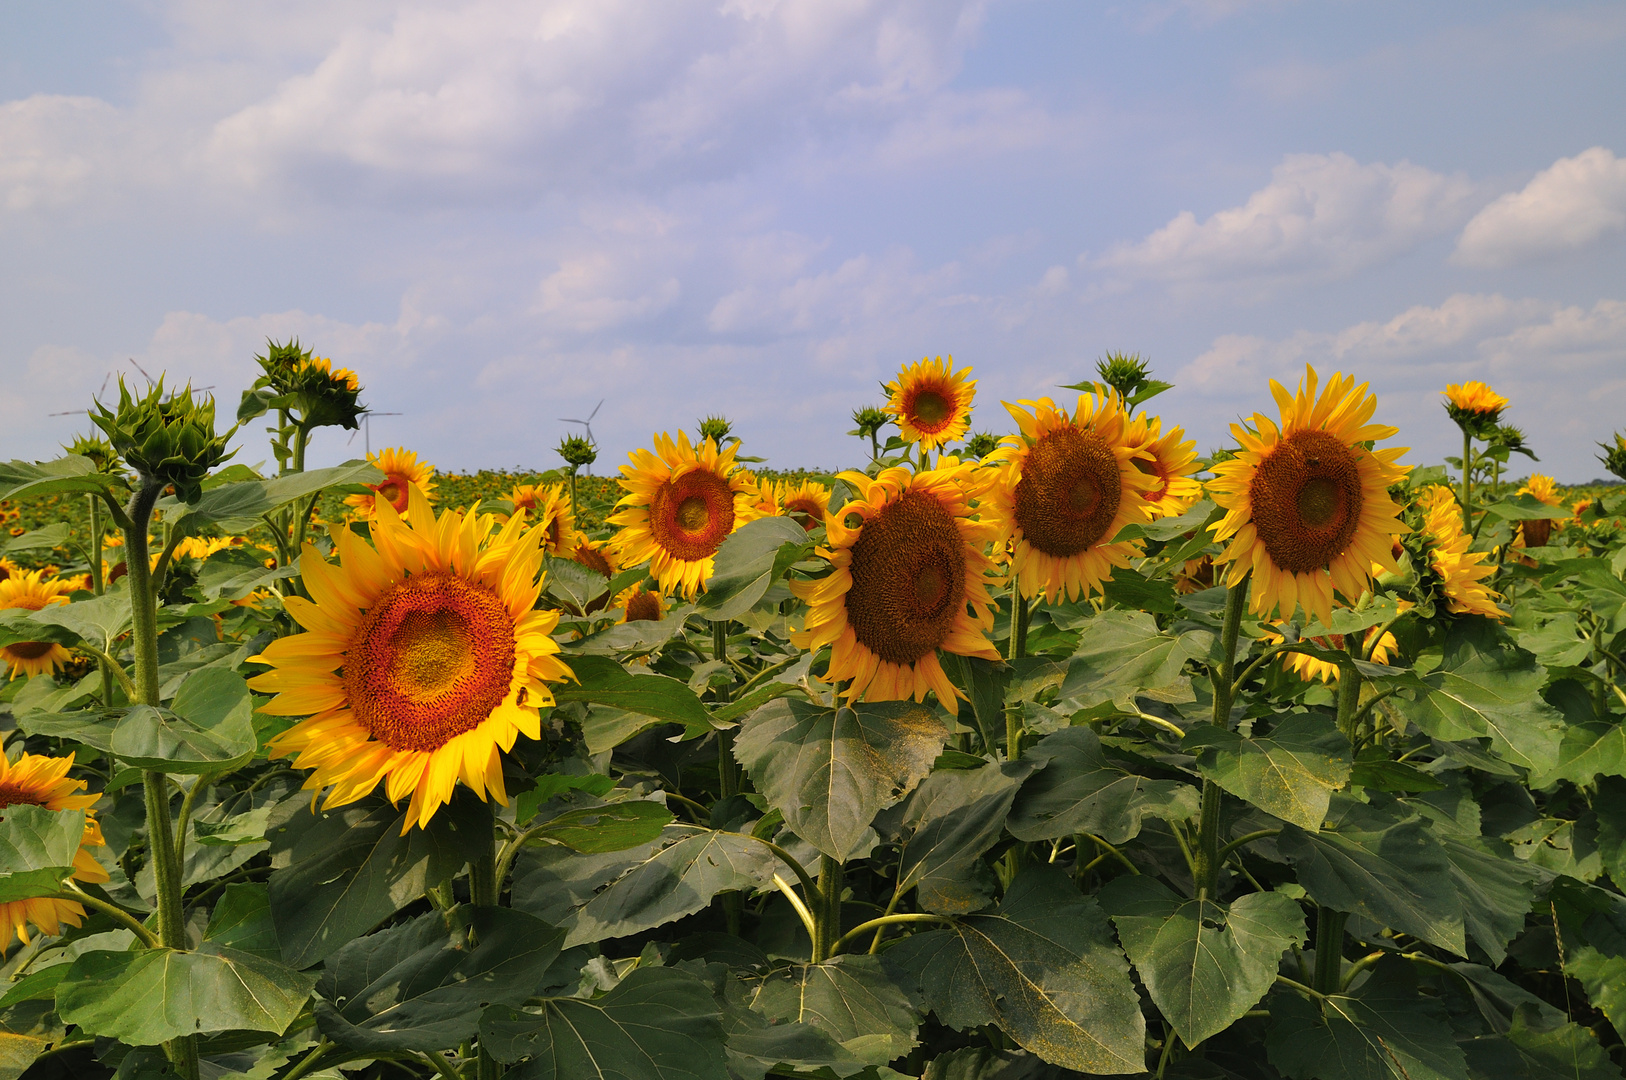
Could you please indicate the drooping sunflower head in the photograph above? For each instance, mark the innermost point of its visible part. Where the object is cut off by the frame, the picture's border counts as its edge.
(1312, 669)
(549, 507)
(805, 503)
(1474, 406)
(931, 402)
(1544, 488)
(1066, 485)
(597, 556)
(1308, 503)
(32, 590)
(402, 471)
(1459, 573)
(423, 657)
(639, 604)
(682, 502)
(908, 579)
(1169, 459)
(38, 780)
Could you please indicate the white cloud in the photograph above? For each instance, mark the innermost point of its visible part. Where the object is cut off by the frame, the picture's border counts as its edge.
(1573, 203)
(49, 148)
(1324, 215)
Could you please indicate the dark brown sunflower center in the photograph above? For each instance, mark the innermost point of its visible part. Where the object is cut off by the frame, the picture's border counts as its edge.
(689, 517)
(1069, 492)
(931, 408)
(806, 509)
(644, 606)
(592, 558)
(13, 795)
(908, 570)
(1306, 498)
(430, 660)
(29, 650)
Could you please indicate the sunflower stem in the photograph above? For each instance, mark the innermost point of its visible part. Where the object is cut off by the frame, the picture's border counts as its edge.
(1206, 859)
(827, 916)
(96, 584)
(1467, 479)
(1329, 950)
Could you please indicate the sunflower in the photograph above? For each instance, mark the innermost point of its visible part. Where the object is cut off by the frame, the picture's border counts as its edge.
(422, 658)
(1462, 572)
(1195, 576)
(343, 377)
(908, 579)
(1066, 486)
(1544, 488)
(402, 471)
(682, 502)
(932, 402)
(1474, 407)
(1309, 509)
(639, 604)
(8, 568)
(806, 502)
(30, 590)
(1309, 668)
(551, 505)
(596, 556)
(1170, 459)
(37, 780)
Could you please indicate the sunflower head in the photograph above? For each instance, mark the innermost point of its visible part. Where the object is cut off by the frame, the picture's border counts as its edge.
(32, 590)
(1474, 407)
(1066, 485)
(577, 451)
(682, 502)
(38, 780)
(402, 473)
(1308, 503)
(597, 556)
(549, 507)
(423, 657)
(1544, 488)
(639, 604)
(1170, 460)
(931, 402)
(1456, 575)
(908, 580)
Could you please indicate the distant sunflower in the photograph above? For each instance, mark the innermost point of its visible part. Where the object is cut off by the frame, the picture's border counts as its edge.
(639, 604)
(1474, 405)
(932, 402)
(549, 507)
(1067, 485)
(1535, 532)
(908, 580)
(423, 658)
(682, 502)
(402, 471)
(1462, 572)
(1544, 488)
(805, 502)
(8, 568)
(30, 590)
(1309, 668)
(36, 780)
(1309, 508)
(1171, 459)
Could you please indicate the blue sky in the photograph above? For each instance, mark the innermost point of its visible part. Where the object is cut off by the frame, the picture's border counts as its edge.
(501, 212)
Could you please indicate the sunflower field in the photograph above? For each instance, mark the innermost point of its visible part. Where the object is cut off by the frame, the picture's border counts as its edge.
(1004, 757)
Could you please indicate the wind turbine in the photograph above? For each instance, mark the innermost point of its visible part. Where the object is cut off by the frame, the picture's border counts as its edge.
(367, 427)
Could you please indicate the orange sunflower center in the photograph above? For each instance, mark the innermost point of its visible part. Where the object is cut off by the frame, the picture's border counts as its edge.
(692, 514)
(908, 570)
(1153, 468)
(394, 488)
(644, 606)
(1069, 492)
(16, 794)
(1306, 497)
(430, 660)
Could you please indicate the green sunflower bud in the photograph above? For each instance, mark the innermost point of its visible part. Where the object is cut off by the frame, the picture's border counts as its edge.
(980, 444)
(165, 439)
(870, 421)
(715, 428)
(309, 385)
(577, 451)
(1125, 374)
(97, 450)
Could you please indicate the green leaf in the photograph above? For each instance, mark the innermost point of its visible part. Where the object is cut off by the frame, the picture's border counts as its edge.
(750, 559)
(50, 536)
(850, 998)
(952, 818)
(656, 1024)
(984, 684)
(1591, 925)
(751, 702)
(1534, 1050)
(677, 879)
(149, 997)
(99, 620)
(422, 985)
(1557, 642)
(1122, 655)
(1524, 508)
(1205, 963)
(830, 771)
(1291, 773)
(1494, 890)
(209, 727)
(1383, 1029)
(1383, 864)
(612, 827)
(235, 572)
(93, 727)
(341, 872)
(64, 475)
(1386, 775)
(550, 882)
(575, 584)
(1043, 966)
(1081, 791)
(242, 920)
(1202, 513)
(659, 697)
(549, 785)
(237, 507)
(37, 847)
(1487, 685)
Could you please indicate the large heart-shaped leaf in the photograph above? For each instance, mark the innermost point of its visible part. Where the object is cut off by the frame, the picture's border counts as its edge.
(1205, 963)
(750, 559)
(237, 507)
(830, 771)
(63, 475)
(423, 985)
(656, 1024)
(149, 997)
(850, 998)
(98, 620)
(1044, 967)
(1122, 655)
(37, 847)
(1081, 791)
(209, 727)
(611, 827)
(1291, 773)
(952, 818)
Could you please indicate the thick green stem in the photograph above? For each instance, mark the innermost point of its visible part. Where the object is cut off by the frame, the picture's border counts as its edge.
(485, 891)
(1329, 950)
(1206, 859)
(1349, 701)
(96, 584)
(827, 916)
(1018, 648)
(1467, 480)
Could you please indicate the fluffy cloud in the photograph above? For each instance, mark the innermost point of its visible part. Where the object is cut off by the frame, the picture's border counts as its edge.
(49, 148)
(1573, 203)
(1325, 215)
